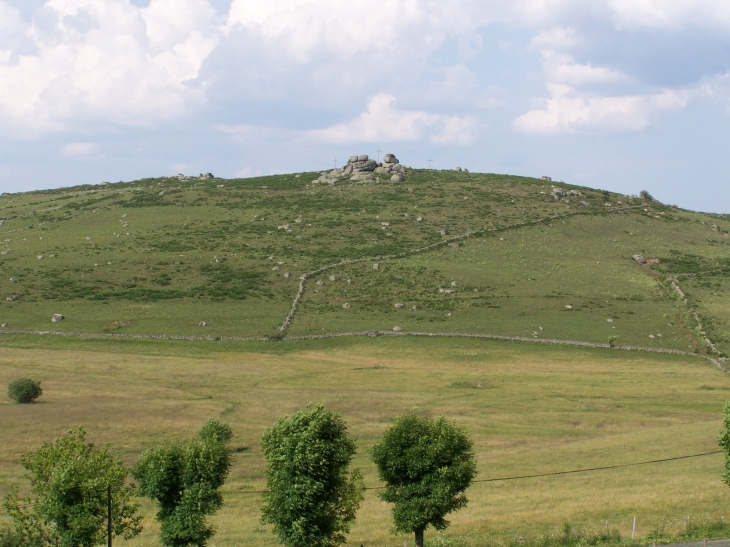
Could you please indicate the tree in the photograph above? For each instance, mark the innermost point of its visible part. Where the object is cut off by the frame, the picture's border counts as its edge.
(24, 390)
(612, 341)
(312, 496)
(723, 439)
(426, 466)
(68, 503)
(185, 480)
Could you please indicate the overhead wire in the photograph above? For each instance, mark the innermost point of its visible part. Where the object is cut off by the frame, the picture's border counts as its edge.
(538, 475)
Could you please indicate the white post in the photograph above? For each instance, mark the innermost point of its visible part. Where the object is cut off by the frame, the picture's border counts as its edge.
(633, 528)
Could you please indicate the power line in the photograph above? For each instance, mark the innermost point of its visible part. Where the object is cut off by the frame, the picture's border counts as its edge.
(554, 473)
(597, 468)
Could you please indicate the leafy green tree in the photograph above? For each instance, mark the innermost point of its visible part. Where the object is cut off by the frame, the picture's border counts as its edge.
(426, 466)
(612, 341)
(68, 502)
(312, 496)
(185, 480)
(723, 439)
(24, 390)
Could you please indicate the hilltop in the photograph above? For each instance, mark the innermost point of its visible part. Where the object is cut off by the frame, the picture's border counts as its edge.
(442, 251)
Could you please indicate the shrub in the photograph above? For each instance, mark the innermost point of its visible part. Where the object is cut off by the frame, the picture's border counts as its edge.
(24, 390)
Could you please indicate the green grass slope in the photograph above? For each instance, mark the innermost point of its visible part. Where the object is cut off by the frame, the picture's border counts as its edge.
(160, 256)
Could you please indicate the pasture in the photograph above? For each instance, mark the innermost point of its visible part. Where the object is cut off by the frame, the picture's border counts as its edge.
(530, 409)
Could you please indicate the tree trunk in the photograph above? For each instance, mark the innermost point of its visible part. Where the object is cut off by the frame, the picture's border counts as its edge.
(419, 538)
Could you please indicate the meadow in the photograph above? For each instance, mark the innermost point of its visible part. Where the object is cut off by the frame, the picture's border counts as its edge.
(496, 254)
(529, 408)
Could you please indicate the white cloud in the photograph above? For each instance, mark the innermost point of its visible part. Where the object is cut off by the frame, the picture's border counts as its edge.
(108, 61)
(563, 68)
(568, 111)
(76, 149)
(670, 14)
(382, 122)
(345, 29)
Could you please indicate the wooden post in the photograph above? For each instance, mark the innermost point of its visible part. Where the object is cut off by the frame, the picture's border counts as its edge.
(606, 528)
(633, 528)
(109, 516)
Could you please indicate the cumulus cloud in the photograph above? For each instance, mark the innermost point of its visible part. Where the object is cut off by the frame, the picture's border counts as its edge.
(568, 111)
(382, 122)
(105, 60)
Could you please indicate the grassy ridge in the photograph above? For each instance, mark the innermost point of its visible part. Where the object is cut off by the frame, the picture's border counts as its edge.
(161, 255)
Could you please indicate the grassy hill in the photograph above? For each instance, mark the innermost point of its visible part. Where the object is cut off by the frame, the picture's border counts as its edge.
(456, 254)
(160, 256)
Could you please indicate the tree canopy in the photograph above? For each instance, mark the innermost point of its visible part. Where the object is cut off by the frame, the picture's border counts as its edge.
(68, 503)
(185, 480)
(24, 390)
(312, 495)
(426, 466)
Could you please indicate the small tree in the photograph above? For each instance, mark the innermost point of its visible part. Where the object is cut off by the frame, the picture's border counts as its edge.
(68, 507)
(186, 481)
(24, 390)
(612, 341)
(723, 439)
(312, 496)
(426, 466)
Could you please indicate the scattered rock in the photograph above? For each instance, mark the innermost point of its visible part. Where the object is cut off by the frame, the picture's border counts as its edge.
(444, 232)
(454, 245)
(458, 169)
(202, 324)
(57, 318)
(287, 274)
(6, 251)
(40, 257)
(609, 320)
(346, 306)
(376, 266)
(568, 307)
(639, 259)
(11, 298)
(320, 282)
(397, 178)
(453, 283)
(298, 221)
(419, 219)
(332, 278)
(399, 305)
(275, 268)
(651, 336)
(397, 329)
(4, 325)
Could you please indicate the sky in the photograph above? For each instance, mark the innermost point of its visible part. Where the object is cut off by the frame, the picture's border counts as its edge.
(623, 95)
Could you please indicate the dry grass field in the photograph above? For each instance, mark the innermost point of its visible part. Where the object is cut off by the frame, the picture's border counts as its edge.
(529, 408)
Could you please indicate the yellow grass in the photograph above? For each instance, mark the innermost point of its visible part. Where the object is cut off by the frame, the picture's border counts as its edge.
(530, 409)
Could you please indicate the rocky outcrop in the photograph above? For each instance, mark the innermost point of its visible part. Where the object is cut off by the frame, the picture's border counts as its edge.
(364, 169)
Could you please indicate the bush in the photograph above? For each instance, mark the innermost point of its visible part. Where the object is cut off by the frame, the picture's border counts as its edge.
(24, 390)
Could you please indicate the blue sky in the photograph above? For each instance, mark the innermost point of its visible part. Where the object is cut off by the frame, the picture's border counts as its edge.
(615, 94)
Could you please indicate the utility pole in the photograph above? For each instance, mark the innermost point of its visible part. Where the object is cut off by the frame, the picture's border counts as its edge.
(378, 151)
(109, 516)
(335, 163)
(429, 163)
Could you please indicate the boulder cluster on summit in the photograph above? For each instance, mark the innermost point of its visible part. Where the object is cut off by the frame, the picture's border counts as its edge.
(363, 169)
